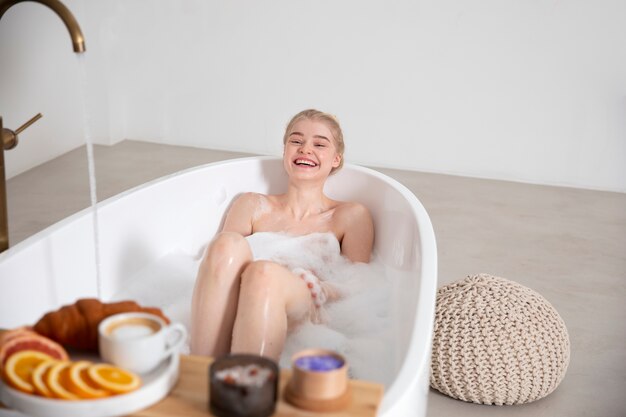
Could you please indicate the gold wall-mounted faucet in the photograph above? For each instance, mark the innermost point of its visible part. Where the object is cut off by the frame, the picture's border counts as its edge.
(78, 41)
(8, 138)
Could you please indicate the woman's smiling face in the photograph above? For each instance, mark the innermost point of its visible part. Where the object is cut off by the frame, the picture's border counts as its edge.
(310, 150)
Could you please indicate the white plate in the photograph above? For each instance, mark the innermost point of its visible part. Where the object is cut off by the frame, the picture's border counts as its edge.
(155, 385)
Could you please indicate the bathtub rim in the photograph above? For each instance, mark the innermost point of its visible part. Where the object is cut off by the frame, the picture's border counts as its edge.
(413, 365)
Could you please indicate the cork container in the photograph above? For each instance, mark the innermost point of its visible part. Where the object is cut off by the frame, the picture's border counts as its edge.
(319, 381)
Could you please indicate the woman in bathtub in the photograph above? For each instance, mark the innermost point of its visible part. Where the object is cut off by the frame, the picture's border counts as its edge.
(243, 305)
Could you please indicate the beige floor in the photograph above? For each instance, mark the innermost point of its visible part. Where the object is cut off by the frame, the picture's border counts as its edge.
(567, 244)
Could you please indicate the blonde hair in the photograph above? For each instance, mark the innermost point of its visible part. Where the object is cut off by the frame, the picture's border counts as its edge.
(329, 120)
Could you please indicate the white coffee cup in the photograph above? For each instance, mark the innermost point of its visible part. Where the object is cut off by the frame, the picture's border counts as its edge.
(138, 342)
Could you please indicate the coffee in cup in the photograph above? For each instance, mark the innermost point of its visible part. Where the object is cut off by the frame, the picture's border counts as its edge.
(138, 342)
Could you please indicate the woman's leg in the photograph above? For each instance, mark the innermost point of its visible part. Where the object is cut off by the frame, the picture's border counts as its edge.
(270, 298)
(215, 295)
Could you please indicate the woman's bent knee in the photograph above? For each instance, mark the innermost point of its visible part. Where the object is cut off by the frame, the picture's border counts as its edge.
(226, 255)
(227, 245)
(227, 242)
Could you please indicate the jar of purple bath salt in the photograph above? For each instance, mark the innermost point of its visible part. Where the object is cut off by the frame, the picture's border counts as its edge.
(319, 363)
(319, 381)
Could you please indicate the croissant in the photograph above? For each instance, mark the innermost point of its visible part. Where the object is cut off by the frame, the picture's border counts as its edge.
(76, 325)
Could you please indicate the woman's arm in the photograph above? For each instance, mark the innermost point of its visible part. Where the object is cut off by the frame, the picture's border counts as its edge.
(240, 214)
(358, 236)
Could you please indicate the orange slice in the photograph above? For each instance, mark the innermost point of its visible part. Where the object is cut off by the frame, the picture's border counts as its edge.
(80, 383)
(113, 379)
(19, 367)
(39, 375)
(57, 381)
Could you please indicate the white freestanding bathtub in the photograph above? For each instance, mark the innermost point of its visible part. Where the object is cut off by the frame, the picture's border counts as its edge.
(58, 265)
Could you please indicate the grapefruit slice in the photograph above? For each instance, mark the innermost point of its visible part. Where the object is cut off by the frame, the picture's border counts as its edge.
(5, 336)
(26, 340)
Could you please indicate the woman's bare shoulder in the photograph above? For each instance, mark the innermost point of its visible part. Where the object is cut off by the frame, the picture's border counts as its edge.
(252, 197)
(351, 216)
(352, 211)
(248, 197)
(242, 211)
(249, 201)
(356, 228)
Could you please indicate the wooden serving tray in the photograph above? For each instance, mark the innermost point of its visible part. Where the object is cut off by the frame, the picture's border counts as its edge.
(190, 396)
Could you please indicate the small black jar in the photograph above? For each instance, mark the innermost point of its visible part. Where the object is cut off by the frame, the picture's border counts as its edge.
(233, 398)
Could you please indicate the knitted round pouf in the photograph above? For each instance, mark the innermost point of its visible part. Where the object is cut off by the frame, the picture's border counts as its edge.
(497, 342)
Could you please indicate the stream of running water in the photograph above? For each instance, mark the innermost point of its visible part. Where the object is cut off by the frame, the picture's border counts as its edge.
(92, 168)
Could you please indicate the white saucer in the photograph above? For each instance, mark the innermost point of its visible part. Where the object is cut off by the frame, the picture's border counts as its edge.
(155, 385)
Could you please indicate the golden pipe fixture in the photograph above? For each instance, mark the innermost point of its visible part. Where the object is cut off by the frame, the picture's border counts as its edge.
(78, 40)
(8, 138)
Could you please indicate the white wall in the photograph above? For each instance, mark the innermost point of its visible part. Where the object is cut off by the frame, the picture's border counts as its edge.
(516, 90)
(38, 73)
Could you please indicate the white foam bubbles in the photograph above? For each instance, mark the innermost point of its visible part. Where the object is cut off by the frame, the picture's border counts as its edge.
(357, 325)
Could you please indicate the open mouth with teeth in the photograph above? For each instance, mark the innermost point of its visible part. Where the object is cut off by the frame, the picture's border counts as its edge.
(304, 162)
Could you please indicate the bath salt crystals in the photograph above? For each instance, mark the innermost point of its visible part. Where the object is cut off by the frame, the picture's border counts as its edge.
(319, 363)
(249, 375)
(319, 381)
(243, 386)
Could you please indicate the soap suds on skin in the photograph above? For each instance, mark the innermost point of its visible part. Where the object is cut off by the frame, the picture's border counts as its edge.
(357, 325)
